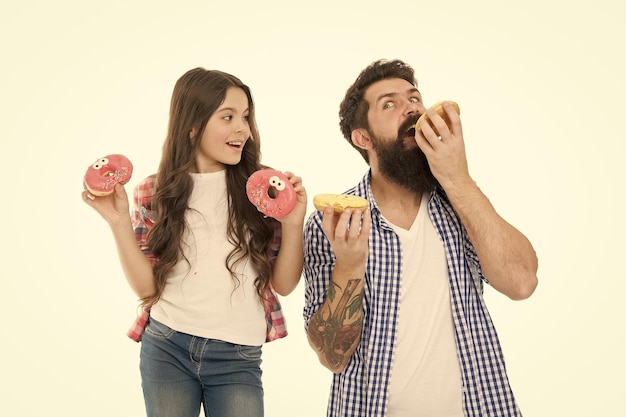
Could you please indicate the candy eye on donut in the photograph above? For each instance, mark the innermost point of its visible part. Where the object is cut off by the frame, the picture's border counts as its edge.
(100, 163)
(277, 183)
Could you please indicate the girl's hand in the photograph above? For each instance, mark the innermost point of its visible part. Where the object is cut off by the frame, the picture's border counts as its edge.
(296, 217)
(113, 207)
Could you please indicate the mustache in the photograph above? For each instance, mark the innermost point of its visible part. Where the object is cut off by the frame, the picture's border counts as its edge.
(408, 124)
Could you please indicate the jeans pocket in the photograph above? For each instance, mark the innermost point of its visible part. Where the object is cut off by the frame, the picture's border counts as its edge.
(252, 353)
(159, 330)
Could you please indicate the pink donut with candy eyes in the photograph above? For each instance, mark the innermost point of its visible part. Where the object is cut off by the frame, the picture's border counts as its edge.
(102, 175)
(271, 192)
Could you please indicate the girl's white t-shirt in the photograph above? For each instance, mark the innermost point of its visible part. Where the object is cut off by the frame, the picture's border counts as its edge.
(200, 296)
(426, 374)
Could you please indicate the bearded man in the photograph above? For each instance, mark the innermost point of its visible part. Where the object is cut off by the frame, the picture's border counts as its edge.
(394, 293)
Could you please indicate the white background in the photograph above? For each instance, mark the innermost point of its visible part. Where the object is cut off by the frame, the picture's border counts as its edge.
(541, 89)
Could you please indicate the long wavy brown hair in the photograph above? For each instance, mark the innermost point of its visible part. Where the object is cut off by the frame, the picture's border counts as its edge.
(196, 96)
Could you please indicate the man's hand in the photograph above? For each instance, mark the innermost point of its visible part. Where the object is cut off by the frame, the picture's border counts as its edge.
(348, 234)
(445, 152)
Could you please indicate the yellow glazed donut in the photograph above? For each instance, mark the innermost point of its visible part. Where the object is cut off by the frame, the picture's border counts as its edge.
(340, 202)
(438, 107)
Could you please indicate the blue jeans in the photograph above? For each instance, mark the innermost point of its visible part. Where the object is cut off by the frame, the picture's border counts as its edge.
(179, 372)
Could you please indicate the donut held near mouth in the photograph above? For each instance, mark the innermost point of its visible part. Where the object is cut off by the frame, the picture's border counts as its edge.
(102, 176)
(438, 107)
(271, 192)
(339, 202)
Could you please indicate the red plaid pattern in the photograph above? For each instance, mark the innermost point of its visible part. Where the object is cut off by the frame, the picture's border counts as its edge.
(143, 220)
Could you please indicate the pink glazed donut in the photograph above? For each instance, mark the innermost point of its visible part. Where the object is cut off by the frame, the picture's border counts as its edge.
(102, 175)
(271, 192)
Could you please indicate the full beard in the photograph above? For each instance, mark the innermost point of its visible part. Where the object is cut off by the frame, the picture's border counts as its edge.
(403, 166)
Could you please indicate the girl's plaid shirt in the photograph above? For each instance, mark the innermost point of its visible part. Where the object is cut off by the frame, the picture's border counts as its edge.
(143, 220)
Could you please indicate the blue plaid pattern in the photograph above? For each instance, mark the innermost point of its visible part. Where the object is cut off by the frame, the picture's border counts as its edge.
(361, 390)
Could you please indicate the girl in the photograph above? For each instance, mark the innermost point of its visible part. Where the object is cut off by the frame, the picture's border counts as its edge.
(204, 262)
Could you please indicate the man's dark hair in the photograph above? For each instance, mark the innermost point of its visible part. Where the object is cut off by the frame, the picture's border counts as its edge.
(353, 109)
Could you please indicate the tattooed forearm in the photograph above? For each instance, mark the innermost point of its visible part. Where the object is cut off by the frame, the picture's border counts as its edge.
(336, 328)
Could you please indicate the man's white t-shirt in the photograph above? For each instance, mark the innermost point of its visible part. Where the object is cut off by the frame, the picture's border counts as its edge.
(426, 374)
